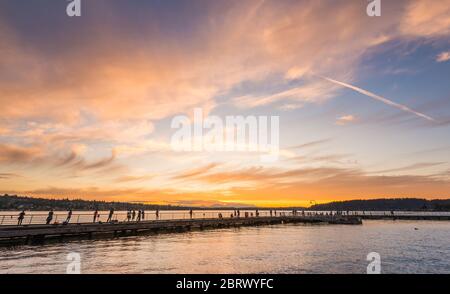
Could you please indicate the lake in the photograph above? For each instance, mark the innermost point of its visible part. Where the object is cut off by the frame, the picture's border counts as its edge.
(404, 247)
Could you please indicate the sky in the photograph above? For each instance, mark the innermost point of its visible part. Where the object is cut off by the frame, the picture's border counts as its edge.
(87, 103)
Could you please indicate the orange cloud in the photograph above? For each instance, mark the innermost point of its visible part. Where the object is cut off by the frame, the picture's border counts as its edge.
(18, 154)
(108, 90)
(427, 18)
(196, 172)
(443, 57)
(345, 119)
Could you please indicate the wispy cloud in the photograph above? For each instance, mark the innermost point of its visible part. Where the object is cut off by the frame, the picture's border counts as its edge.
(128, 179)
(426, 18)
(345, 119)
(443, 57)
(17, 154)
(412, 167)
(79, 163)
(6, 176)
(311, 92)
(310, 144)
(329, 158)
(379, 98)
(196, 172)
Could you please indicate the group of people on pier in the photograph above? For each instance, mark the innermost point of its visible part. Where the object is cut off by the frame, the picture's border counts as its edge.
(133, 215)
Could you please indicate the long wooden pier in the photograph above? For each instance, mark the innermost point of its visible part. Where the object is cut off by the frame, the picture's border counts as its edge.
(38, 233)
(35, 234)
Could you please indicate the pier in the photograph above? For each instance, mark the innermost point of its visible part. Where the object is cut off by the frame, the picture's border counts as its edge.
(35, 234)
(33, 229)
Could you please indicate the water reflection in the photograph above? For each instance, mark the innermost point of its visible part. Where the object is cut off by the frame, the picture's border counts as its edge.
(269, 249)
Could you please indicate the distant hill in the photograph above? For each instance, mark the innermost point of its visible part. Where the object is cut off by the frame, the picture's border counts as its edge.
(386, 205)
(8, 202)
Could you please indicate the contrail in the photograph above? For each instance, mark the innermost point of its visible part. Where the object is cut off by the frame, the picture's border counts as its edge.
(379, 98)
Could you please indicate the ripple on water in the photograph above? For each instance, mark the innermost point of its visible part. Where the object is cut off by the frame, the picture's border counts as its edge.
(270, 249)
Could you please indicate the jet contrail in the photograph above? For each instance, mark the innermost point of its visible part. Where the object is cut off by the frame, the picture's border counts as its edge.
(379, 98)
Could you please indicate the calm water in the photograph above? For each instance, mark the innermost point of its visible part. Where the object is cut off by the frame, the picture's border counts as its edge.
(270, 249)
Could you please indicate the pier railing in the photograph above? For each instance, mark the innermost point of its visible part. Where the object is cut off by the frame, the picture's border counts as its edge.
(78, 217)
(39, 218)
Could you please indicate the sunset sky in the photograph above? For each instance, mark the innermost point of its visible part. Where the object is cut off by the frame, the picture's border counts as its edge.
(87, 102)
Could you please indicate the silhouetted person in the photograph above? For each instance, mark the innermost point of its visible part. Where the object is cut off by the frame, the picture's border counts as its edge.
(139, 216)
(257, 213)
(143, 214)
(111, 213)
(157, 214)
(270, 211)
(95, 216)
(191, 213)
(133, 215)
(128, 215)
(69, 216)
(20, 218)
(49, 217)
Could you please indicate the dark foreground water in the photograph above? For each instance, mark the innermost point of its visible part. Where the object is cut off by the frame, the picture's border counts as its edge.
(404, 247)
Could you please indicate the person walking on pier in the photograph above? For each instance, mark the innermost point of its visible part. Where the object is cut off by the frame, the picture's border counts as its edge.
(128, 215)
(143, 214)
(20, 218)
(138, 219)
(133, 215)
(157, 214)
(191, 213)
(49, 217)
(111, 213)
(69, 216)
(95, 216)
